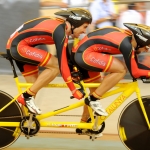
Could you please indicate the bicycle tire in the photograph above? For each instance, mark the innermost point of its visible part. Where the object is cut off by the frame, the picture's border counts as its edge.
(132, 126)
(13, 113)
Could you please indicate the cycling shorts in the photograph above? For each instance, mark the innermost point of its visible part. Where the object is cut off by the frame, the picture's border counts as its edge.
(29, 58)
(93, 61)
(91, 76)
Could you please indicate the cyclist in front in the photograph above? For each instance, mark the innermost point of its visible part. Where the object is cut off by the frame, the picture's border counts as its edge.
(46, 30)
(94, 53)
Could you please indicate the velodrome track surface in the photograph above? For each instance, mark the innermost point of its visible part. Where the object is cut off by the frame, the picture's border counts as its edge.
(67, 142)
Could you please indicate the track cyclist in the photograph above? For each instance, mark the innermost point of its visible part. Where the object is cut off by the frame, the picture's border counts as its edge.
(94, 54)
(21, 46)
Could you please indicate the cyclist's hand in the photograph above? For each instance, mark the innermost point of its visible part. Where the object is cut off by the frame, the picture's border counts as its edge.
(77, 94)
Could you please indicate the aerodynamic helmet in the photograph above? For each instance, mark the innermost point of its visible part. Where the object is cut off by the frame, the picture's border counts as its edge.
(141, 33)
(76, 16)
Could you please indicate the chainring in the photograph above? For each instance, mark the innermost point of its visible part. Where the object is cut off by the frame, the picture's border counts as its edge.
(35, 126)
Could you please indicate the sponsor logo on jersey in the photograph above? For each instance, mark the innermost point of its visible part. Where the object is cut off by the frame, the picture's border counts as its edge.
(75, 17)
(99, 48)
(98, 61)
(37, 39)
(34, 54)
(141, 37)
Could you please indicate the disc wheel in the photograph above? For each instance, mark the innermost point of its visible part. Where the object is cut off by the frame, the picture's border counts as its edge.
(12, 113)
(132, 126)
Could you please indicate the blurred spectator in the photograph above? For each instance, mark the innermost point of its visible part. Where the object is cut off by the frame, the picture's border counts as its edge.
(103, 13)
(130, 16)
(144, 9)
(52, 3)
(141, 8)
(76, 3)
(147, 18)
(122, 8)
(134, 14)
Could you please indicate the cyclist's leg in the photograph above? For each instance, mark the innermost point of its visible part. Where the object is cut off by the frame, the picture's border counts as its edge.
(103, 63)
(31, 73)
(31, 78)
(85, 114)
(93, 77)
(42, 58)
(117, 71)
(42, 80)
(47, 75)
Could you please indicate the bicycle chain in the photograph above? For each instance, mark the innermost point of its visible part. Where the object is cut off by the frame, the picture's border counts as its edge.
(61, 132)
(69, 115)
(6, 128)
(49, 131)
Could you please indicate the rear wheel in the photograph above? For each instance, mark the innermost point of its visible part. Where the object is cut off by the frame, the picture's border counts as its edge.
(12, 113)
(132, 126)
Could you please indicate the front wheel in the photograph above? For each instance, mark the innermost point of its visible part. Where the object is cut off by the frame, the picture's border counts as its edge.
(132, 126)
(12, 113)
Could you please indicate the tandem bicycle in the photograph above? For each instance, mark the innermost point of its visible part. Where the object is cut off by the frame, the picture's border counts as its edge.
(133, 123)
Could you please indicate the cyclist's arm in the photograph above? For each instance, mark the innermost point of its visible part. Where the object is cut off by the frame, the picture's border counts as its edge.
(61, 42)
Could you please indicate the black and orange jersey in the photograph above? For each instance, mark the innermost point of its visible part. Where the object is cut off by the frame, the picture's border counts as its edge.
(107, 40)
(45, 30)
(110, 40)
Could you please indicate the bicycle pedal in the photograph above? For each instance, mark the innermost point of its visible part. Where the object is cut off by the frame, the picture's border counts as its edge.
(91, 138)
(79, 131)
(34, 114)
(82, 131)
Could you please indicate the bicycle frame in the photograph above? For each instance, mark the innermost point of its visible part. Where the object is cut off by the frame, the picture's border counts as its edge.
(126, 90)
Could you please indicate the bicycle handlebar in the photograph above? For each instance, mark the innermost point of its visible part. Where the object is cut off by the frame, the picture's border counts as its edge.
(81, 89)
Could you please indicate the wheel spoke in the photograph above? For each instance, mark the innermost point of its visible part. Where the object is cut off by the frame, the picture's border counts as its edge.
(10, 117)
(8, 129)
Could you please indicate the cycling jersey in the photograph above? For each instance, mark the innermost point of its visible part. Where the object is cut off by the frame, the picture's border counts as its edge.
(95, 51)
(44, 30)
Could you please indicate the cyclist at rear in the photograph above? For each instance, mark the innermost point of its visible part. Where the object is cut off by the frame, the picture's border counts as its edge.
(46, 30)
(95, 53)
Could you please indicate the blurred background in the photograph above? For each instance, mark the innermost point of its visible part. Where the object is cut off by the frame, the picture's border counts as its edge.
(15, 12)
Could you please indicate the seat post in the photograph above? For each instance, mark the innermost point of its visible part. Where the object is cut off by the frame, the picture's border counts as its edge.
(13, 67)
